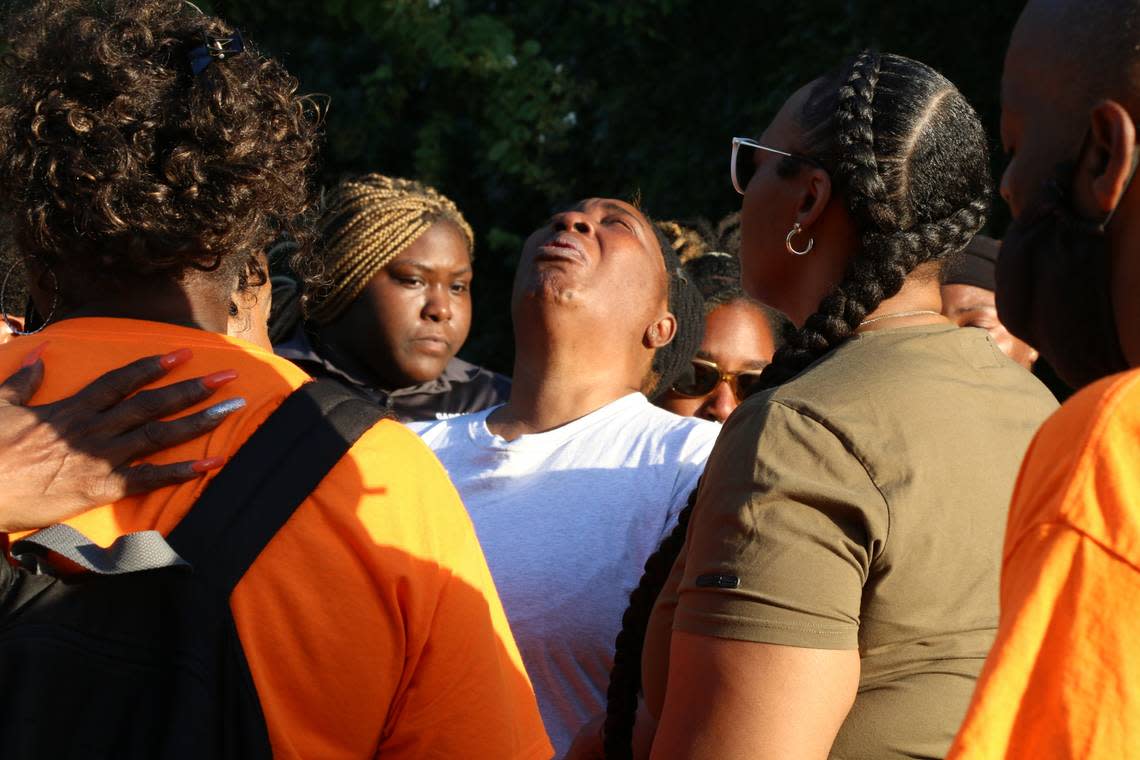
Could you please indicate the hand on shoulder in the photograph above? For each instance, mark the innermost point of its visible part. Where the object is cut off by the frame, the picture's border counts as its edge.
(59, 459)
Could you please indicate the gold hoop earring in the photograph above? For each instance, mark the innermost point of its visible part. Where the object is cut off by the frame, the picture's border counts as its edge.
(12, 327)
(796, 229)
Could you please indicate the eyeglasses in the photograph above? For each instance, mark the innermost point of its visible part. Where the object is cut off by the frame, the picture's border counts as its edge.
(703, 376)
(743, 164)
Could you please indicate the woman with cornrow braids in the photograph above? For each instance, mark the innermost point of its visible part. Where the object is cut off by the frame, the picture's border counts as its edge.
(832, 587)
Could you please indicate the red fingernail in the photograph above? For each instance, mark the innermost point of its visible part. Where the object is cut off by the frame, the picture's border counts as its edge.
(34, 355)
(174, 358)
(218, 379)
(210, 463)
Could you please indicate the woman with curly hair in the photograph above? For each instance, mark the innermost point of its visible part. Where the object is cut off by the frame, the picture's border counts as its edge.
(147, 154)
(832, 587)
(393, 305)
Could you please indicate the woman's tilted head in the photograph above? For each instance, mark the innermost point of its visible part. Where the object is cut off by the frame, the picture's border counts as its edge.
(605, 267)
(143, 139)
(889, 160)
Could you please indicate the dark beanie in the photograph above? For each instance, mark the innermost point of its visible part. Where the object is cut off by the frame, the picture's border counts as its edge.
(975, 265)
(687, 306)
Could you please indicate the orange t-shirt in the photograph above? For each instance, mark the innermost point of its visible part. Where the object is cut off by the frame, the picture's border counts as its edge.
(370, 622)
(1063, 677)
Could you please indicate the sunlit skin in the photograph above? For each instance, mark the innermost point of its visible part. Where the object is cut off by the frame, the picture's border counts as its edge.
(251, 323)
(412, 317)
(6, 331)
(771, 204)
(590, 308)
(737, 338)
(971, 306)
(718, 699)
(793, 284)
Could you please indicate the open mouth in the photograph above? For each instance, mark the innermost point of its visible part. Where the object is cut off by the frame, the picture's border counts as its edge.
(560, 248)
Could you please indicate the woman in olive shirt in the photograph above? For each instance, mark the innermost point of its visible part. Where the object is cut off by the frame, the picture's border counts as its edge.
(837, 590)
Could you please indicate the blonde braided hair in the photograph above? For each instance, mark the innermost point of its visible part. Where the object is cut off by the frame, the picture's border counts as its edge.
(687, 241)
(365, 223)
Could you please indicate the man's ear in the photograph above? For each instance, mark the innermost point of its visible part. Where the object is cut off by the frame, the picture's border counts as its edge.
(815, 193)
(1105, 166)
(660, 332)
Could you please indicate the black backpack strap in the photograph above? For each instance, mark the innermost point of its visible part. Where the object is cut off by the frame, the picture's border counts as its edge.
(258, 490)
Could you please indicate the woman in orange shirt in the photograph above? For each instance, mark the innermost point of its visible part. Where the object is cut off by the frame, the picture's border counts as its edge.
(61, 458)
(147, 153)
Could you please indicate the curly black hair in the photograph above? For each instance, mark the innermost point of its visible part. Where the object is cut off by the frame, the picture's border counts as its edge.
(908, 155)
(716, 275)
(118, 162)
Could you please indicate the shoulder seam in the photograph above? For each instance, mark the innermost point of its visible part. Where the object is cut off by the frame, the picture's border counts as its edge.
(1084, 535)
(850, 448)
(1102, 415)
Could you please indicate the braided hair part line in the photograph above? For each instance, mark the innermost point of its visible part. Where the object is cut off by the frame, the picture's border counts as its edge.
(910, 158)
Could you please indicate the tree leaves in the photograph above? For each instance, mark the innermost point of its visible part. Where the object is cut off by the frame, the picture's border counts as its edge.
(512, 107)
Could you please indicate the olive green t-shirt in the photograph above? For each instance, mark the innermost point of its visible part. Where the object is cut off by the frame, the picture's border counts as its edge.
(862, 505)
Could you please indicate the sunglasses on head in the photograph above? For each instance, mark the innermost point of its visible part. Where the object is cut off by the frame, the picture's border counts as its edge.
(743, 164)
(702, 377)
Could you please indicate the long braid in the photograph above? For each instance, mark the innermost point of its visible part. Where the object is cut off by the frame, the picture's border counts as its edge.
(857, 167)
(916, 183)
(625, 675)
(889, 250)
(365, 223)
(857, 172)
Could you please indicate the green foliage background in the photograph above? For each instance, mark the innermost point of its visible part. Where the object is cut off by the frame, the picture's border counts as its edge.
(512, 107)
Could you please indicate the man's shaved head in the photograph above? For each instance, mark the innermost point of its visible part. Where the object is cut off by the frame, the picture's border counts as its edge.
(1092, 47)
(1069, 115)
(1064, 57)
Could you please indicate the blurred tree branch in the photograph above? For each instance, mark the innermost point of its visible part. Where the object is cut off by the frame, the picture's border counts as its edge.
(514, 106)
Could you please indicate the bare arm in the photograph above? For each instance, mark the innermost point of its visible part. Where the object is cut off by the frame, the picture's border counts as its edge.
(729, 700)
(61, 458)
(588, 743)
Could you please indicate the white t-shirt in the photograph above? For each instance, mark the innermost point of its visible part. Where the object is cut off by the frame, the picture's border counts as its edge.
(567, 519)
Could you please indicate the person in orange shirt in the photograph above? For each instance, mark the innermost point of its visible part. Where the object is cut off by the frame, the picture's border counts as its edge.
(147, 153)
(62, 458)
(1061, 679)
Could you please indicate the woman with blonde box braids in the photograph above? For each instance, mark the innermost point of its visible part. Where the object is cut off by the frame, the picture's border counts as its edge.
(392, 304)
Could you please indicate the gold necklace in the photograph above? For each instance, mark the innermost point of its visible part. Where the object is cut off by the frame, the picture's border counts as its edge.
(899, 314)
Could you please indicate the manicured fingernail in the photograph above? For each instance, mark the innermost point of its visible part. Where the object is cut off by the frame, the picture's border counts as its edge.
(174, 358)
(205, 465)
(223, 408)
(218, 379)
(34, 355)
